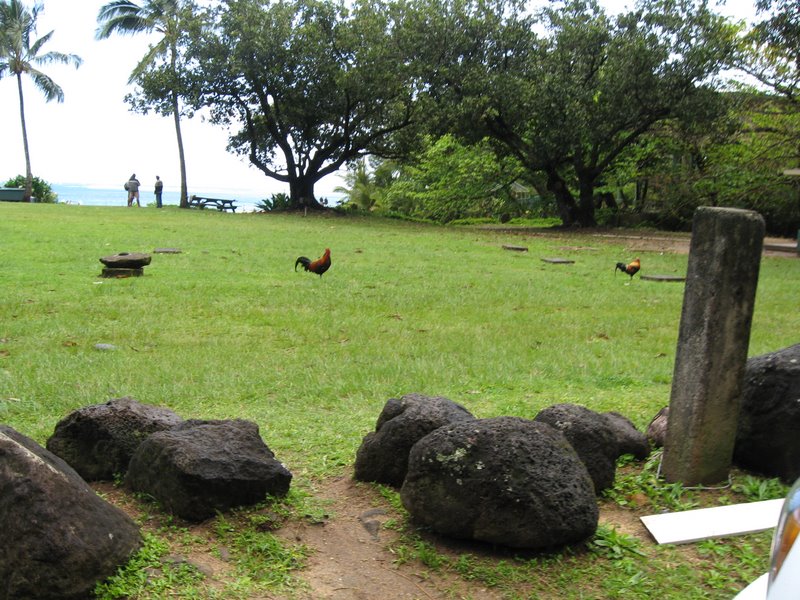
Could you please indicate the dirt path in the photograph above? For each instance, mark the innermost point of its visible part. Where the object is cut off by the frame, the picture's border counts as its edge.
(351, 557)
(677, 243)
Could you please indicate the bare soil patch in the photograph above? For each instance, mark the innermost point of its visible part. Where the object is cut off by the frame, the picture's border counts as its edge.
(633, 241)
(352, 557)
(352, 554)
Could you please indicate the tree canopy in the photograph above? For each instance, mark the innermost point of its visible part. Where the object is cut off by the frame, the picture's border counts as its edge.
(570, 99)
(772, 51)
(567, 101)
(307, 85)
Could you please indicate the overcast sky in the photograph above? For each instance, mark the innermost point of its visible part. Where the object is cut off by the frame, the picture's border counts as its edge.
(92, 139)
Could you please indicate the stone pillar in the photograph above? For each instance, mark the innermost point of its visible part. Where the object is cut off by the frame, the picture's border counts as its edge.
(717, 312)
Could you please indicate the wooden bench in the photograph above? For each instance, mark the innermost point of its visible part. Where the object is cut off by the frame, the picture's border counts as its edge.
(219, 203)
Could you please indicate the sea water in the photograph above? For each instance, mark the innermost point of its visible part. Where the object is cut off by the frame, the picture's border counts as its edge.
(91, 196)
(246, 200)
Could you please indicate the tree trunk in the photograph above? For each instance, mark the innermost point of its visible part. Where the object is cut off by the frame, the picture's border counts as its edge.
(641, 194)
(28, 173)
(586, 201)
(176, 115)
(184, 199)
(564, 200)
(301, 193)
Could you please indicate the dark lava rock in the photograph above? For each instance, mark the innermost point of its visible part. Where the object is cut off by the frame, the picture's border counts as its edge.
(98, 441)
(59, 538)
(508, 481)
(767, 439)
(591, 436)
(201, 467)
(383, 455)
(126, 260)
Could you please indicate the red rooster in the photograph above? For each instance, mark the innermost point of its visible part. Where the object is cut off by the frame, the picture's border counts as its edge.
(319, 266)
(631, 268)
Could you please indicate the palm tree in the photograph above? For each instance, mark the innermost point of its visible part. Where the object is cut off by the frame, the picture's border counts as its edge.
(163, 16)
(360, 188)
(18, 55)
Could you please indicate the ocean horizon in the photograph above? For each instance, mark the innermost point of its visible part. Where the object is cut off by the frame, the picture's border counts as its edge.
(97, 196)
(246, 200)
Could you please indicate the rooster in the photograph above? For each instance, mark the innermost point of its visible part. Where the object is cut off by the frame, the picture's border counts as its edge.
(631, 268)
(319, 266)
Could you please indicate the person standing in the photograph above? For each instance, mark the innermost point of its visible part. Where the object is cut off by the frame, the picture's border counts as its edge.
(158, 191)
(133, 190)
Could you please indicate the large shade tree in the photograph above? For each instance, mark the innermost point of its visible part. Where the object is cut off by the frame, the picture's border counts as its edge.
(21, 54)
(568, 101)
(307, 86)
(161, 62)
(771, 53)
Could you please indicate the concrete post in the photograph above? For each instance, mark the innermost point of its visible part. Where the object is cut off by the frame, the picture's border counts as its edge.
(721, 279)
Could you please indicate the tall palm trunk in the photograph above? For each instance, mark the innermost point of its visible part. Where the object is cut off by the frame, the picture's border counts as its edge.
(184, 200)
(28, 174)
(176, 115)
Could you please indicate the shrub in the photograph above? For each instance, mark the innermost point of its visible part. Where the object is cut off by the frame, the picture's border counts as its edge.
(277, 202)
(41, 189)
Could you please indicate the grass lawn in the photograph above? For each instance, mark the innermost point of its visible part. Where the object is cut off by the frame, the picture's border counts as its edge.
(227, 329)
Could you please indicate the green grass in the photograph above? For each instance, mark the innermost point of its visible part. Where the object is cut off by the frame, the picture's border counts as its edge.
(227, 329)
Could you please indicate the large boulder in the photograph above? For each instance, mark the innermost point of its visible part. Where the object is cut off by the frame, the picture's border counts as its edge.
(506, 480)
(201, 467)
(98, 441)
(383, 454)
(629, 439)
(769, 415)
(592, 437)
(657, 429)
(59, 537)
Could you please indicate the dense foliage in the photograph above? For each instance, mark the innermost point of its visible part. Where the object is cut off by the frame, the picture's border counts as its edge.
(446, 180)
(307, 86)
(456, 100)
(41, 190)
(567, 103)
(771, 53)
(738, 160)
(453, 109)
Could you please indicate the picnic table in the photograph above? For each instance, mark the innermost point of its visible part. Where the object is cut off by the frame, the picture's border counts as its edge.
(219, 203)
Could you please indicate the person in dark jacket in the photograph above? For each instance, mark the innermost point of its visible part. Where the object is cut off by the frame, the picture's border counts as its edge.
(133, 190)
(159, 189)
